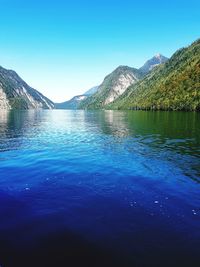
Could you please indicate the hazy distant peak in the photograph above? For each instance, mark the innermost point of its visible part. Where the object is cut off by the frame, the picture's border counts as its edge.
(160, 57)
(153, 62)
(91, 91)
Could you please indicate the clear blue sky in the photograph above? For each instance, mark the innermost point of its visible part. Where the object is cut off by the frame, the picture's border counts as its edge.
(63, 48)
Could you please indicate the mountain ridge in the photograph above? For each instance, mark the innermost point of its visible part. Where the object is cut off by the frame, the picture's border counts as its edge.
(116, 83)
(74, 102)
(113, 85)
(91, 91)
(153, 62)
(160, 84)
(15, 93)
(174, 85)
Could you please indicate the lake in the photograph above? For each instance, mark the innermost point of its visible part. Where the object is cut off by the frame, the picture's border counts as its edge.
(99, 188)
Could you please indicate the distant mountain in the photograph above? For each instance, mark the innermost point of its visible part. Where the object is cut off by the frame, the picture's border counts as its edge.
(174, 85)
(114, 85)
(16, 94)
(72, 103)
(91, 91)
(152, 63)
(76, 100)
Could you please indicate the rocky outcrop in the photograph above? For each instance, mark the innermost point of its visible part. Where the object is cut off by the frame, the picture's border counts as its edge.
(114, 85)
(152, 63)
(4, 103)
(174, 85)
(17, 94)
(120, 85)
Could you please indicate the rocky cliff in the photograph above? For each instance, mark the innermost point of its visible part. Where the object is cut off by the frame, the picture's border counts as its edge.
(174, 85)
(114, 85)
(17, 94)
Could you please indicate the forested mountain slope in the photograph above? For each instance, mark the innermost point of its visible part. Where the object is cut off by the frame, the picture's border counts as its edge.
(174, 85)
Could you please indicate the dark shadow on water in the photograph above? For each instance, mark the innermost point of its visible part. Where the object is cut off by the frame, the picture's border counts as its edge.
(60, 249)
(44, 241)
(66, 249)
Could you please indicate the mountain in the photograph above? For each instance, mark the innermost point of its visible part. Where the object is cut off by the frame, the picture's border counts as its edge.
(72, 103)
(174, 85)
(91, 91)
(152, 63)
(76, 100)
(114, 85)
(16, 94)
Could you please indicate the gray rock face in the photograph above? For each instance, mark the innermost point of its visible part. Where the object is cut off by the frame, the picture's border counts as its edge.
(16, 94)
(113, 86)
(152, 63)
(4, 103)
(116, 83)
(120, 85)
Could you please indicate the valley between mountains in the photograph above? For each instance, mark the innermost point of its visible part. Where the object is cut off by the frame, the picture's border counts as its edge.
(160, 84)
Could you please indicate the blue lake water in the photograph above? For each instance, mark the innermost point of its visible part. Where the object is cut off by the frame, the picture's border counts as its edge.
(99, 188)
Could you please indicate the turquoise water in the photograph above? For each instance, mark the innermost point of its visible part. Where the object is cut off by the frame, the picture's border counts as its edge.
(99, 188)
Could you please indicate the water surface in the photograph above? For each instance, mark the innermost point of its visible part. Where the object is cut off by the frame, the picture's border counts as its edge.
(99, 188)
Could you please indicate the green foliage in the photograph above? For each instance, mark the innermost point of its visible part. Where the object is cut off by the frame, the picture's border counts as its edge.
(172, 86)
(97, 101)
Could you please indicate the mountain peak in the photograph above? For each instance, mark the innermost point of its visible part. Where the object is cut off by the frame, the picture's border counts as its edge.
(158, 55)
(153, 62)
(167, 87)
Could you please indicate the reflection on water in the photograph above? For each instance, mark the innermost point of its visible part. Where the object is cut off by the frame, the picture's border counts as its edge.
(109, 188)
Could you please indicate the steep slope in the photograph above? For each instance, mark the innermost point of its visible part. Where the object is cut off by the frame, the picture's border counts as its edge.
(72, 103)
(152, 63)
(91, 91)
(16, 94)
(76, 100)
(114, 85)
(174, 85)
